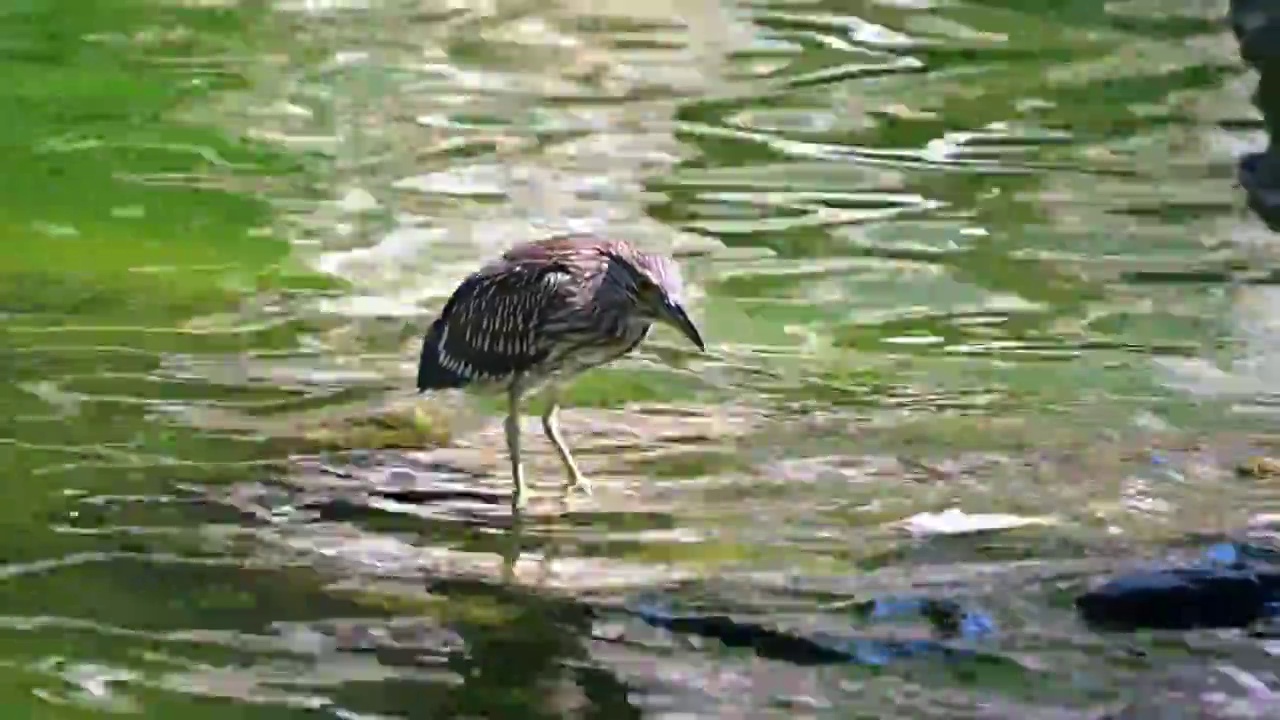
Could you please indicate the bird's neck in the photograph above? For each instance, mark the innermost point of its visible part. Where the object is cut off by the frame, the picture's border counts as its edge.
(627, 328)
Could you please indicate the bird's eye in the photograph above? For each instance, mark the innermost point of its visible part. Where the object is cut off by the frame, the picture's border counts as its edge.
(640, 284)
(648, 289)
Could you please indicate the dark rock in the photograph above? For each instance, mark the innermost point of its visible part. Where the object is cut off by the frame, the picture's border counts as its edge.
(1234, 586)
(1256, 24)
(1260, 176)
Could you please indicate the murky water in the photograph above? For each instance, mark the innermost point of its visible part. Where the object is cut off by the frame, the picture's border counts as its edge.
(979, 255)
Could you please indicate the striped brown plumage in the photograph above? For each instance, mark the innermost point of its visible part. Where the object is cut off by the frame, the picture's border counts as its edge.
(544, 312)
(538, 311)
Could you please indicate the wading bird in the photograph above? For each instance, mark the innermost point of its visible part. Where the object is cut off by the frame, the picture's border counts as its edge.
(540, 315)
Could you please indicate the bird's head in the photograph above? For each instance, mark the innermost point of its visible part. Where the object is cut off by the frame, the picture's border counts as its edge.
(653, 283)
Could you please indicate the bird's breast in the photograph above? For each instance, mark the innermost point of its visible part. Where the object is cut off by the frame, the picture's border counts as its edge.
(593, 349)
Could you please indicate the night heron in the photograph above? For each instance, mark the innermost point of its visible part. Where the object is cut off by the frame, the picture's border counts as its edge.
(543, 313)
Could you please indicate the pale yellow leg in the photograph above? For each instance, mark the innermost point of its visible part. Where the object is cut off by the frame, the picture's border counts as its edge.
(511, 547)
(551, 426)
(512, 426)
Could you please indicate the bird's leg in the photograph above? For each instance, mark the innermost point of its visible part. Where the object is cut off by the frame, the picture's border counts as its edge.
(511, 550)
(513, 446)
(551, 426)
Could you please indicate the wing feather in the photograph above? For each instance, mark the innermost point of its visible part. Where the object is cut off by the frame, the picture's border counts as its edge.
(488, 329)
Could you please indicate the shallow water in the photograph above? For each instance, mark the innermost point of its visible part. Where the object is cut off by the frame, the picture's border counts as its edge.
(946, 255)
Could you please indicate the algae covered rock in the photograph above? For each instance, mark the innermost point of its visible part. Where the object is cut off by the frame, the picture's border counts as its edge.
(416, 426)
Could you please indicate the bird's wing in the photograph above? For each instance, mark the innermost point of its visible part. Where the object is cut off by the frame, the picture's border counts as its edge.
(489, 328)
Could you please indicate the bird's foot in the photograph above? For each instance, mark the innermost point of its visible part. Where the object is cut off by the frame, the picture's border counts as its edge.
(579, 484)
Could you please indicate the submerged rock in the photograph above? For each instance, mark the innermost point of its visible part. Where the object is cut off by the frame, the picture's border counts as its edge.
(948, 621)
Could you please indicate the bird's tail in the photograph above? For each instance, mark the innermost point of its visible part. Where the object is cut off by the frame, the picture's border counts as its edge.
(432, 374)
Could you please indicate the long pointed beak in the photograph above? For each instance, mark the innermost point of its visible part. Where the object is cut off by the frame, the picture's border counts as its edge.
(679, 319)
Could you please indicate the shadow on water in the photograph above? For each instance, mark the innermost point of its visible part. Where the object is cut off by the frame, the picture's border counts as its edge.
(980, 256)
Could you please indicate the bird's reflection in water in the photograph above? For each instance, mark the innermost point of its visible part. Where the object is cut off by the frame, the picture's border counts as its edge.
(513, 547)
(509, 645)
(531, 658)
(516, 539)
